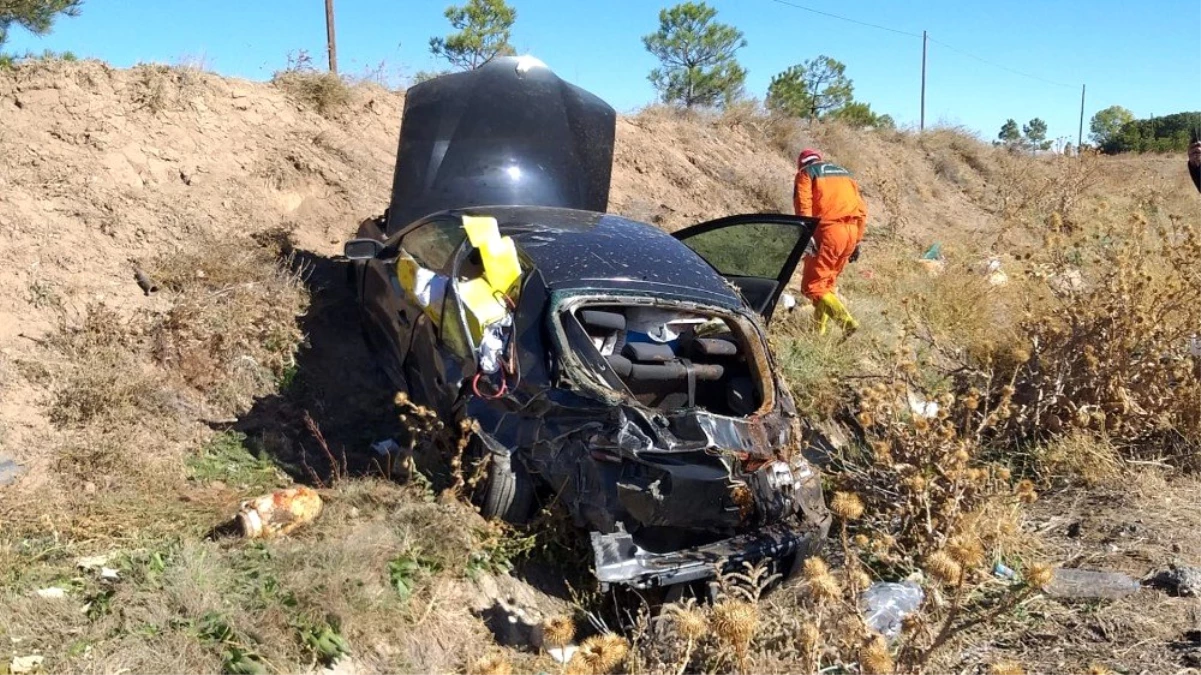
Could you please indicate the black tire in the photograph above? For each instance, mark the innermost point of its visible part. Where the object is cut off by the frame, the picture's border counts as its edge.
(508, 492)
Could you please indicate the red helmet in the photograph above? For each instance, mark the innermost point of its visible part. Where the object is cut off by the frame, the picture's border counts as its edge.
(808, 156)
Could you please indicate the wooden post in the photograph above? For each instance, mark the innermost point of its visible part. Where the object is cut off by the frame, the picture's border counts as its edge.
(1080, 134)
(922, 126)
(331, 41)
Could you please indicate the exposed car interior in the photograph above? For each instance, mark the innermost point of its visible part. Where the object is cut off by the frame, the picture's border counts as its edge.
(668, 360)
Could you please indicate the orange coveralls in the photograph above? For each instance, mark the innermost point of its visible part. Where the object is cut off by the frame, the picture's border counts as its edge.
(829, 192)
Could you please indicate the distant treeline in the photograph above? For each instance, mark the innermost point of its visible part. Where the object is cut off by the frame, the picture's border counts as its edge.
(1170, 133)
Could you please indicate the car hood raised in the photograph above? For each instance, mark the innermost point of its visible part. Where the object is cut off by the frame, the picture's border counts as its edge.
(510, 132)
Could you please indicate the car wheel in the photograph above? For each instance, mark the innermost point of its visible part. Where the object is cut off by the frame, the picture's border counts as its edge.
(508, 492)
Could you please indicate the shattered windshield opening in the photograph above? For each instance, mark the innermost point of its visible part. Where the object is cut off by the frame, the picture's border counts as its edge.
(664, 356)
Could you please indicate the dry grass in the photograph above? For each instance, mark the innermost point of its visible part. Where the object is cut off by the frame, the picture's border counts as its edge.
(160, 88)
(325, 93)
(1112, 355)
(226, 604)
(231, 332)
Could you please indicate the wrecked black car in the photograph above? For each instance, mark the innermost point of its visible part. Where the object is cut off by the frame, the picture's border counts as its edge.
(613, 369)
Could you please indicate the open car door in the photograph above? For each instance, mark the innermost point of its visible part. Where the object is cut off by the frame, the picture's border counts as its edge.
(757, 252)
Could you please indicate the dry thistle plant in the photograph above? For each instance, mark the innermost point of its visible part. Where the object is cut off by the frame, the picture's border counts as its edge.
(558, 631)
(427, 430)
(1112, 354)
(920, 497)
(599, 654)
(735, 623)
(492, 664)
(691, 624)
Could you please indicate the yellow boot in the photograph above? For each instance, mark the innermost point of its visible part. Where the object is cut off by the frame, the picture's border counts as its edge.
(831, 306)
(821, 317)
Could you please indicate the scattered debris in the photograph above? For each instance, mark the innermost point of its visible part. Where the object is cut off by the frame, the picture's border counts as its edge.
(932, 260)
(109, 574)
(1078, 583)
(92, 562)
(1003, 571)
(52, 593)
(1066, 282)
(562, 654)
(279, 513)
(147, 284)
(9, 470)
(992, 271)
(344, 665)
(23, 665)
(385, 447)
(1178, 580)
(886, 604)
(921, 407)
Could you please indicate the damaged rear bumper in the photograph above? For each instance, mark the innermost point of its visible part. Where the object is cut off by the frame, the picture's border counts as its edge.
(619, 560)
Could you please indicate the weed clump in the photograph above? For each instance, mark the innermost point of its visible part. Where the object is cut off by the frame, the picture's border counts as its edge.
(231, 331)
(1112, 357)
(325, 93)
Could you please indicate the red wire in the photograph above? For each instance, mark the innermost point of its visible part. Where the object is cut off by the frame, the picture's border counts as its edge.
(475, 386)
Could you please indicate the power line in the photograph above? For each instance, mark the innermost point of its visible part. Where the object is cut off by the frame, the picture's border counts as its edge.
(997, 65)
(915, 35)
(843, 18)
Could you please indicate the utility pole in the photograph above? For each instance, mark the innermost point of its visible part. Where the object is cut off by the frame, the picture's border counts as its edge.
(332, 43)
(1080, 133)
(922, 126)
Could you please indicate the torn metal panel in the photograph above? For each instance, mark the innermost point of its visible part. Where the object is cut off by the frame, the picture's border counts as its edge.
(618, 559)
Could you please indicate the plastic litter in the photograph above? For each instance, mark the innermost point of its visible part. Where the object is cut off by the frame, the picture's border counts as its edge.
(992, 270)
(427, 287)
(658, 325)
(1002, 570)
(385, 447)
(1194, 345)
(279, 513)
(20, 665)
(886, 604)
(562, 654)
(932, 260)
(92, 562)
(9, 470)
(1179, 580)
(52, 593)
(1078, 583)
(492, 346)
(921, 407)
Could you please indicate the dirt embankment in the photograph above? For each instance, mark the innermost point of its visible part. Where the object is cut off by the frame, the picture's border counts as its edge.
(105, 168)
(104, 171)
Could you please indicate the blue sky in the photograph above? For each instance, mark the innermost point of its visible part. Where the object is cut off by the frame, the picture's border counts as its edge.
(1144, 56)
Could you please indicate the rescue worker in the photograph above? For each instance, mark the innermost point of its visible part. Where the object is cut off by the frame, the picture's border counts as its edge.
(828, 192)
(1194, 163)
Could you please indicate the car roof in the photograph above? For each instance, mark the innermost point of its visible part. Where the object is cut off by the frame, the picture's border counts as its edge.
(601, 251)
